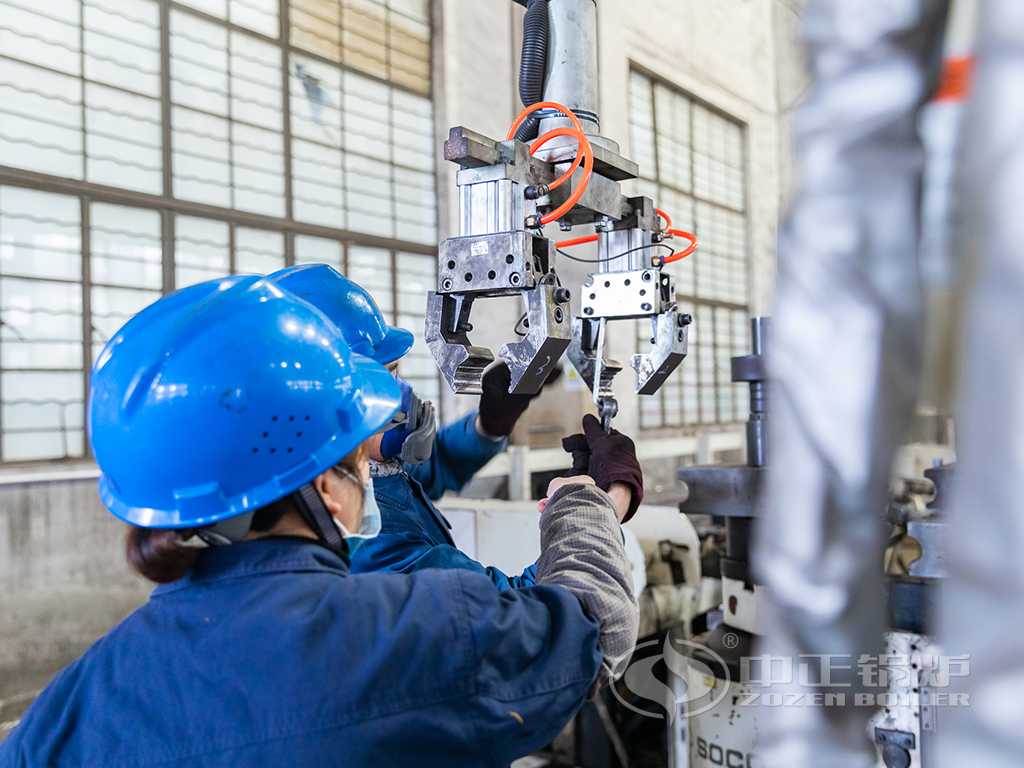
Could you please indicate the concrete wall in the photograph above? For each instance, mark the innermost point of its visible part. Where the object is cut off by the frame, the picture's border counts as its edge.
(63, 581)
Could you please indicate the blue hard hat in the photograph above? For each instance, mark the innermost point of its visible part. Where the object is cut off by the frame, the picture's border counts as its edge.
(350, 307)
(224, 397)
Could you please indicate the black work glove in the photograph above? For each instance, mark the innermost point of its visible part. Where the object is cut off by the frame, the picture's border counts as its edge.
(607, 458)
(499, 411)
(578, 446)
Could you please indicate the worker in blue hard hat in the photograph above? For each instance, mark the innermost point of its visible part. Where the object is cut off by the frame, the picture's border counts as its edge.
(412, 464)
(230, 421)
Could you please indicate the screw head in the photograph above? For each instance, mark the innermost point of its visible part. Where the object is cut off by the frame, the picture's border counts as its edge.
(647, 277)
(645, 307)
(588, 310)
(514, 278)
(446, 284)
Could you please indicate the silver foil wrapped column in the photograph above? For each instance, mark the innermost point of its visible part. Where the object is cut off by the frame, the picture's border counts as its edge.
(846, 359)
(983, 599)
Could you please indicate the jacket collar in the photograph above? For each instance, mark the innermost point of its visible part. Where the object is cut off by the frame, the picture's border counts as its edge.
(280, 554)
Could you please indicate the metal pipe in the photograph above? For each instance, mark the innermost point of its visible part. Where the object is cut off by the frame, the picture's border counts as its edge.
(571, 77)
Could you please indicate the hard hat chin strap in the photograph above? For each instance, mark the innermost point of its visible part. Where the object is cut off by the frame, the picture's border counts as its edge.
(314, 512)
(228, 531)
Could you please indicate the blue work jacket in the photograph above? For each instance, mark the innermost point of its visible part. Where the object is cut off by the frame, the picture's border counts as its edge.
(271, 654)
(414, 534)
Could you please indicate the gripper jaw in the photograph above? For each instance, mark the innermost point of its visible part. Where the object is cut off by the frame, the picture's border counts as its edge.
(532, 359)
(461, 364)
(670, 347)
(587, 355)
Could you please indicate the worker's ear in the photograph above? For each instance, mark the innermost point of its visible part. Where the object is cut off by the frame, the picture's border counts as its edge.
(331, 489)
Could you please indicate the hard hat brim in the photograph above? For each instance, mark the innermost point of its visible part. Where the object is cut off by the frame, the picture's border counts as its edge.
(379, 398)
(395, 344)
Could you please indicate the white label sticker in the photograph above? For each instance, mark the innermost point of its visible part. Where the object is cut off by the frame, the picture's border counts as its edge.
(479, 249)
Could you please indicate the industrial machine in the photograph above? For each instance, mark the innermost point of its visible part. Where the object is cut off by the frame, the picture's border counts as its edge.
(904, 726)
(554, 166)
(730, 492)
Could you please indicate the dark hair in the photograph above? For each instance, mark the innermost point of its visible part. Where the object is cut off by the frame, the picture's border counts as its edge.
(159, 555)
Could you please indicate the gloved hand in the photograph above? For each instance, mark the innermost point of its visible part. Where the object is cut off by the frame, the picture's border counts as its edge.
(578, 446)
(413, 440)
(607, 458)
(499, 411)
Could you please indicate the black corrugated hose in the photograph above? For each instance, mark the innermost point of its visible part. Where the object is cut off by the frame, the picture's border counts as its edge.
(533, 64)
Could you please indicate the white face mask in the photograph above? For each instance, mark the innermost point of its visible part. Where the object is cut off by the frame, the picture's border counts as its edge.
(370, 525)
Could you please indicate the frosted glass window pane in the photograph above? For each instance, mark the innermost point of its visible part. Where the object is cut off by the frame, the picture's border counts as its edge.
(123, 139)
(318, 250)
(122, 44)
(201, 250)
(257, 15)
(201, 158)
(315, 26)
(255, 82)
(126, 246)
(213, 7)
(42, 33)
(371, 268)
(43, 414)
(112, 308)
(40, 234)
(40, 131)
(258, 252)
(316, 101)
(199, 64)
(42, 324)
(258, 170)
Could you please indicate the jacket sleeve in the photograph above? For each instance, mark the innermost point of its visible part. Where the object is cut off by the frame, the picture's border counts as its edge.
(459, 453)
(406, 552)
(535, 654)
(582, 549)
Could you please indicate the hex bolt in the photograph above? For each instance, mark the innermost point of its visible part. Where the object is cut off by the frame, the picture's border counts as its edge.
(532, 221)
(536, 191)
(562, 295)
(564, 225)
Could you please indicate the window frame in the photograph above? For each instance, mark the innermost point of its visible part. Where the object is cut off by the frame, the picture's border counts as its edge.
(170, 207)
(695, 421)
